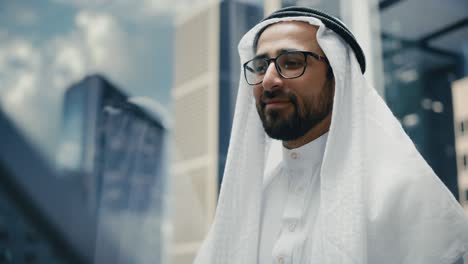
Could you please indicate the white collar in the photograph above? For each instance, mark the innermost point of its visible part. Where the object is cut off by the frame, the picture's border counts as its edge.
(311, 152)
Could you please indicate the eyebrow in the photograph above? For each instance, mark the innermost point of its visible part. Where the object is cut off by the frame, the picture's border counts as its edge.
(278, 52)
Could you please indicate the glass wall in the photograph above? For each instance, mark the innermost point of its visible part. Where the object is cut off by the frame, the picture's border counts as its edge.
(424, 55)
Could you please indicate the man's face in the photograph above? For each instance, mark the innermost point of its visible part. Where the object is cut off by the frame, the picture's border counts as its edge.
(289, 108)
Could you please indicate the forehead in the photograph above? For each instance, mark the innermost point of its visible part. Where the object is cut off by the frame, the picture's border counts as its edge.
(288, 35)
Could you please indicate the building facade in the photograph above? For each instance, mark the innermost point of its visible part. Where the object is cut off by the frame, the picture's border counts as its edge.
(206, 76)
(460, 117)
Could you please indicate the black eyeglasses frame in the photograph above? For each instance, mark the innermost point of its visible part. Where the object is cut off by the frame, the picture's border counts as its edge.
(278, 69)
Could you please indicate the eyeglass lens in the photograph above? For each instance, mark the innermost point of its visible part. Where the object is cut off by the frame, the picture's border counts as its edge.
(289, 65)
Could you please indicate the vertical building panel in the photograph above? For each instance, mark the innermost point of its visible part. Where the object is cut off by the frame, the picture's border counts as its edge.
(195, 97)
(460, 118)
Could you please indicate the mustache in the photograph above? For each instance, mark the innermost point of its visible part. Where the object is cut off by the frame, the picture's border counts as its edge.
(277, 94)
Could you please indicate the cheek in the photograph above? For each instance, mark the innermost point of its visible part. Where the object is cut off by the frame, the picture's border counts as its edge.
(306, 100)
(312, 87)
(301, 103)
(257, 92)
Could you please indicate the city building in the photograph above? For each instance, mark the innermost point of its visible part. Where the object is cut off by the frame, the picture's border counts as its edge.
(460, 118)
(117, 150)
(422, 58)
(206, 75)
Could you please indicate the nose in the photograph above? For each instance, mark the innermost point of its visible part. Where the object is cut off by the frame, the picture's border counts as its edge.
(272, 79)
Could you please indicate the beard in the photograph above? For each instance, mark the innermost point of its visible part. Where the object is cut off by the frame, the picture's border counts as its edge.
(290, 126)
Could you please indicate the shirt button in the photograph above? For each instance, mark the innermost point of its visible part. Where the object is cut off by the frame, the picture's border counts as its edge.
(292, 227)
(294, 155)
(280, 260)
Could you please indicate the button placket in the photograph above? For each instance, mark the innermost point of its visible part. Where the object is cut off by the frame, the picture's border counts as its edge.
(280, 260)
(283, 259)
(294, 155)
(291, 224)
(296, 178)
(296, 201)
(300, 189)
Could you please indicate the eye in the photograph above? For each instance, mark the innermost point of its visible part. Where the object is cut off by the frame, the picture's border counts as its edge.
(291, 61)
(292, 64)
(258, 66)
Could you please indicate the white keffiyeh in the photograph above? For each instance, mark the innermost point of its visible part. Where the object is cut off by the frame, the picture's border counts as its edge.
(380, 201)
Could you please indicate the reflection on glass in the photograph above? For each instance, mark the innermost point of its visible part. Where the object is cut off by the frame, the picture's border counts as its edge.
(119, 163)
(422, 59)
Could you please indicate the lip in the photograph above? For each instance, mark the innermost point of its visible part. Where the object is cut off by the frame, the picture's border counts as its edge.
(276, 102)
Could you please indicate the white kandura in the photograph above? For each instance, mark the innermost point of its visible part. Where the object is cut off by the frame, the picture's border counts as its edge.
(380, 202)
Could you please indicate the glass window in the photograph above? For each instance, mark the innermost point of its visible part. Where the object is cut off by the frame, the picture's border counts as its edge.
(422, 59)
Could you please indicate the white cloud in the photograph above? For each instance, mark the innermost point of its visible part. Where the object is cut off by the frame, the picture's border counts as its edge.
(95, 44)
(18, 54)
(23, 89)
(68, 64)
(23, 95)
(19, 62)
(155, 7)
(22, 50)
(139, 9)
(105, 44)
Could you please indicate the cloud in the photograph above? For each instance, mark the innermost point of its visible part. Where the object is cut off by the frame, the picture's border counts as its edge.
(36, 68)
(96, 43)
(68, 65)
(21, 97)
(139, 9)
(19, 62)
(22, 90)
(105, 43)
(17, 54)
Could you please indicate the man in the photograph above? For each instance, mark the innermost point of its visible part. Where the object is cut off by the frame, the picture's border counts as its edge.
(345, 184)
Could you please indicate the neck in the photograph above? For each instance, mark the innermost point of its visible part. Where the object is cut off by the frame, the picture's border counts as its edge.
(314, 133)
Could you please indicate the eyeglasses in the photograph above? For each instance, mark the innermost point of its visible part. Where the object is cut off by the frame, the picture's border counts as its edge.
(290, 65)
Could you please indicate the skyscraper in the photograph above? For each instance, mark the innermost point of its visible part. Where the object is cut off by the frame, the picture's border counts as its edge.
(117, 151)
(206, 76)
